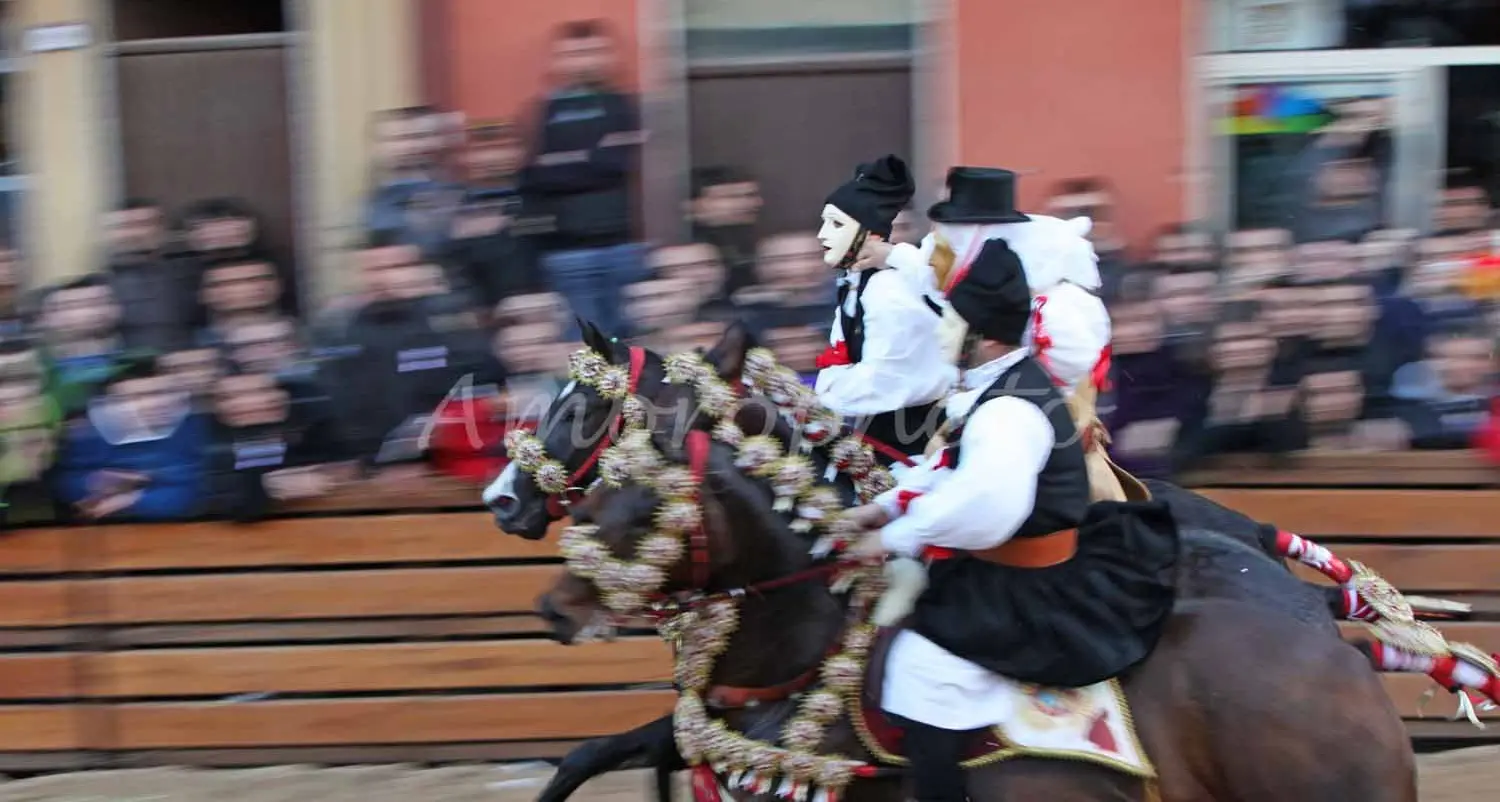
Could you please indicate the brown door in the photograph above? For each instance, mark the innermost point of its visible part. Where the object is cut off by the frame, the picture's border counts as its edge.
(801, 130)
(205, 118)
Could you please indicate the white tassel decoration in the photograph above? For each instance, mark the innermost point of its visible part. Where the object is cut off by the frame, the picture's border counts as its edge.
(906, 579)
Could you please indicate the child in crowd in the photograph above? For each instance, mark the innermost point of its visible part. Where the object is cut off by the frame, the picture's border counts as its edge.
(29, 420)
(137, 453)
(262, 454)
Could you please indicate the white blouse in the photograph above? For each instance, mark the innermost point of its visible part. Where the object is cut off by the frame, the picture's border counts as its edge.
(982, 502)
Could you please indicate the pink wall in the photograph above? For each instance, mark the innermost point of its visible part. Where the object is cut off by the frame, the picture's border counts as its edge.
(1062, 93)
(488, 58)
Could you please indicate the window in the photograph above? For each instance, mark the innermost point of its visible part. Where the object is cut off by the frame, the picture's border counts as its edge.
(167, 19)
(1294, 145)
(739, 29)
(1473, 141)
(1250, 25)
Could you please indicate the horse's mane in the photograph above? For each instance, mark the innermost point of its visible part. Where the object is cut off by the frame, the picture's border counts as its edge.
(669, 442)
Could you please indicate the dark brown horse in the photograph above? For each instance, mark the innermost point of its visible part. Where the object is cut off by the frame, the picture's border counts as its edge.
(522, 509)
(1250, 695)
(579, 423)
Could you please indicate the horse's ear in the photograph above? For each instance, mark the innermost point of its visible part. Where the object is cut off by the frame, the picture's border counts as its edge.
(596, 339)
(728, 356)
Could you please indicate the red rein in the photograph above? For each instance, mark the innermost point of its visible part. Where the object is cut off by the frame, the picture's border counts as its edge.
(698, 445)
(555, 504)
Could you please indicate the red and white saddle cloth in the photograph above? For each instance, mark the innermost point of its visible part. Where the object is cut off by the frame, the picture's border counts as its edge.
(1092, 724)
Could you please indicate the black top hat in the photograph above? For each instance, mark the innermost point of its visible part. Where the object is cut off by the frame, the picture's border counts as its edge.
(993, 296)
(978, 195)
(877, 193)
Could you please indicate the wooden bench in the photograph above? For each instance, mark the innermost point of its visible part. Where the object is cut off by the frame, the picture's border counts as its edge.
(365, 635)
(1333, 469)
(409, 636)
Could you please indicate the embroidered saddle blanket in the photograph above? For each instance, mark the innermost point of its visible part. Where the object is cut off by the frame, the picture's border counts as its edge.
(1090, 724)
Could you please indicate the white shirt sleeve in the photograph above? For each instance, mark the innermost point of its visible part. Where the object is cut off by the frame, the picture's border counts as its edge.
(918, 478)
(981, 503)
(896, 323)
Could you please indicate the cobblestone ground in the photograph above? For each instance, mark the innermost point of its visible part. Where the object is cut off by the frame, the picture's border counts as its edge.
(1469, 775)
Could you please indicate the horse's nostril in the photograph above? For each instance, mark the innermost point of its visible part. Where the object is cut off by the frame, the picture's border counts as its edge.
(503, 504)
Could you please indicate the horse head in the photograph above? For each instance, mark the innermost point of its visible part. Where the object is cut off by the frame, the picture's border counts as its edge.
(689, 513)
(583, 420)
(536, 489)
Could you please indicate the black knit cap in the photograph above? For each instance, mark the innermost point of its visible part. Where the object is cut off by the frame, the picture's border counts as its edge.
(877, 193)
(993, 296)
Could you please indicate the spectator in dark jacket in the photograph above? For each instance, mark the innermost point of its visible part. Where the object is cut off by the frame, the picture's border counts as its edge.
(402, 354)
(1252, 406)
(414, 200)
(156, 289)
(725, 211)
(587, 142)
(138, 454)
(219, 229)
(1340, 179)
(486, 252)
(1445, 399)
(81, 344)
(236, 292)
(194, 370)
(266, 449)
(267, 346)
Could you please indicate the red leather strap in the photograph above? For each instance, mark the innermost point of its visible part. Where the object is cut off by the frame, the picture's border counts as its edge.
(1044, 551)
(888, 451)
(731, 697)
(698, 445)
(637, 366)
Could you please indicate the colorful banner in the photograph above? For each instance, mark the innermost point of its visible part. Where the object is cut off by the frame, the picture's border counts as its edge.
(1273, 109)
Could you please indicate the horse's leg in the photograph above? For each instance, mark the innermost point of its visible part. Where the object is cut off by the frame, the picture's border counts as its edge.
(651, 745)
(1257, 708)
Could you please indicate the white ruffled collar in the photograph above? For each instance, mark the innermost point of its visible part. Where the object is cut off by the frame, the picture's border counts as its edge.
(975, 380)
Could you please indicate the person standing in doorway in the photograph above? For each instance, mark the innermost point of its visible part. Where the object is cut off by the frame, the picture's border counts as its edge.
(576, 188)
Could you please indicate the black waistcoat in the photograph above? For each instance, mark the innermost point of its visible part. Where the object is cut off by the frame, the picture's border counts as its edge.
(1062, 488)
(852, 325)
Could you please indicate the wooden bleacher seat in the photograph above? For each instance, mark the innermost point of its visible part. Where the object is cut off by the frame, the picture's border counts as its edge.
(243, 644)
(1350, 469)
(338, 637)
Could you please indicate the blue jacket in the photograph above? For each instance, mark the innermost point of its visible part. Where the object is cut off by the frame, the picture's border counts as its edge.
(176, 464)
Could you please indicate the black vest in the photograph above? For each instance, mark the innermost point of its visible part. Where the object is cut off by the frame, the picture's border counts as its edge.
(1062, 488)
(852, 325)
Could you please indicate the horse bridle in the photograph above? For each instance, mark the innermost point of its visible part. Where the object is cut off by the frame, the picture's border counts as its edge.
(559, 504)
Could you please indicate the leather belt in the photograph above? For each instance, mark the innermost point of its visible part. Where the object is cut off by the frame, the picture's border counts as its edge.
(1043, 551)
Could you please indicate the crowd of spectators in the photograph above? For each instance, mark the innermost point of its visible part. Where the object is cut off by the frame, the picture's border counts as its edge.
(1263, 341)
(179, 382)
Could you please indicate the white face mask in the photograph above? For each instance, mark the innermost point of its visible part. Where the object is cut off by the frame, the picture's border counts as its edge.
(837, 235)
